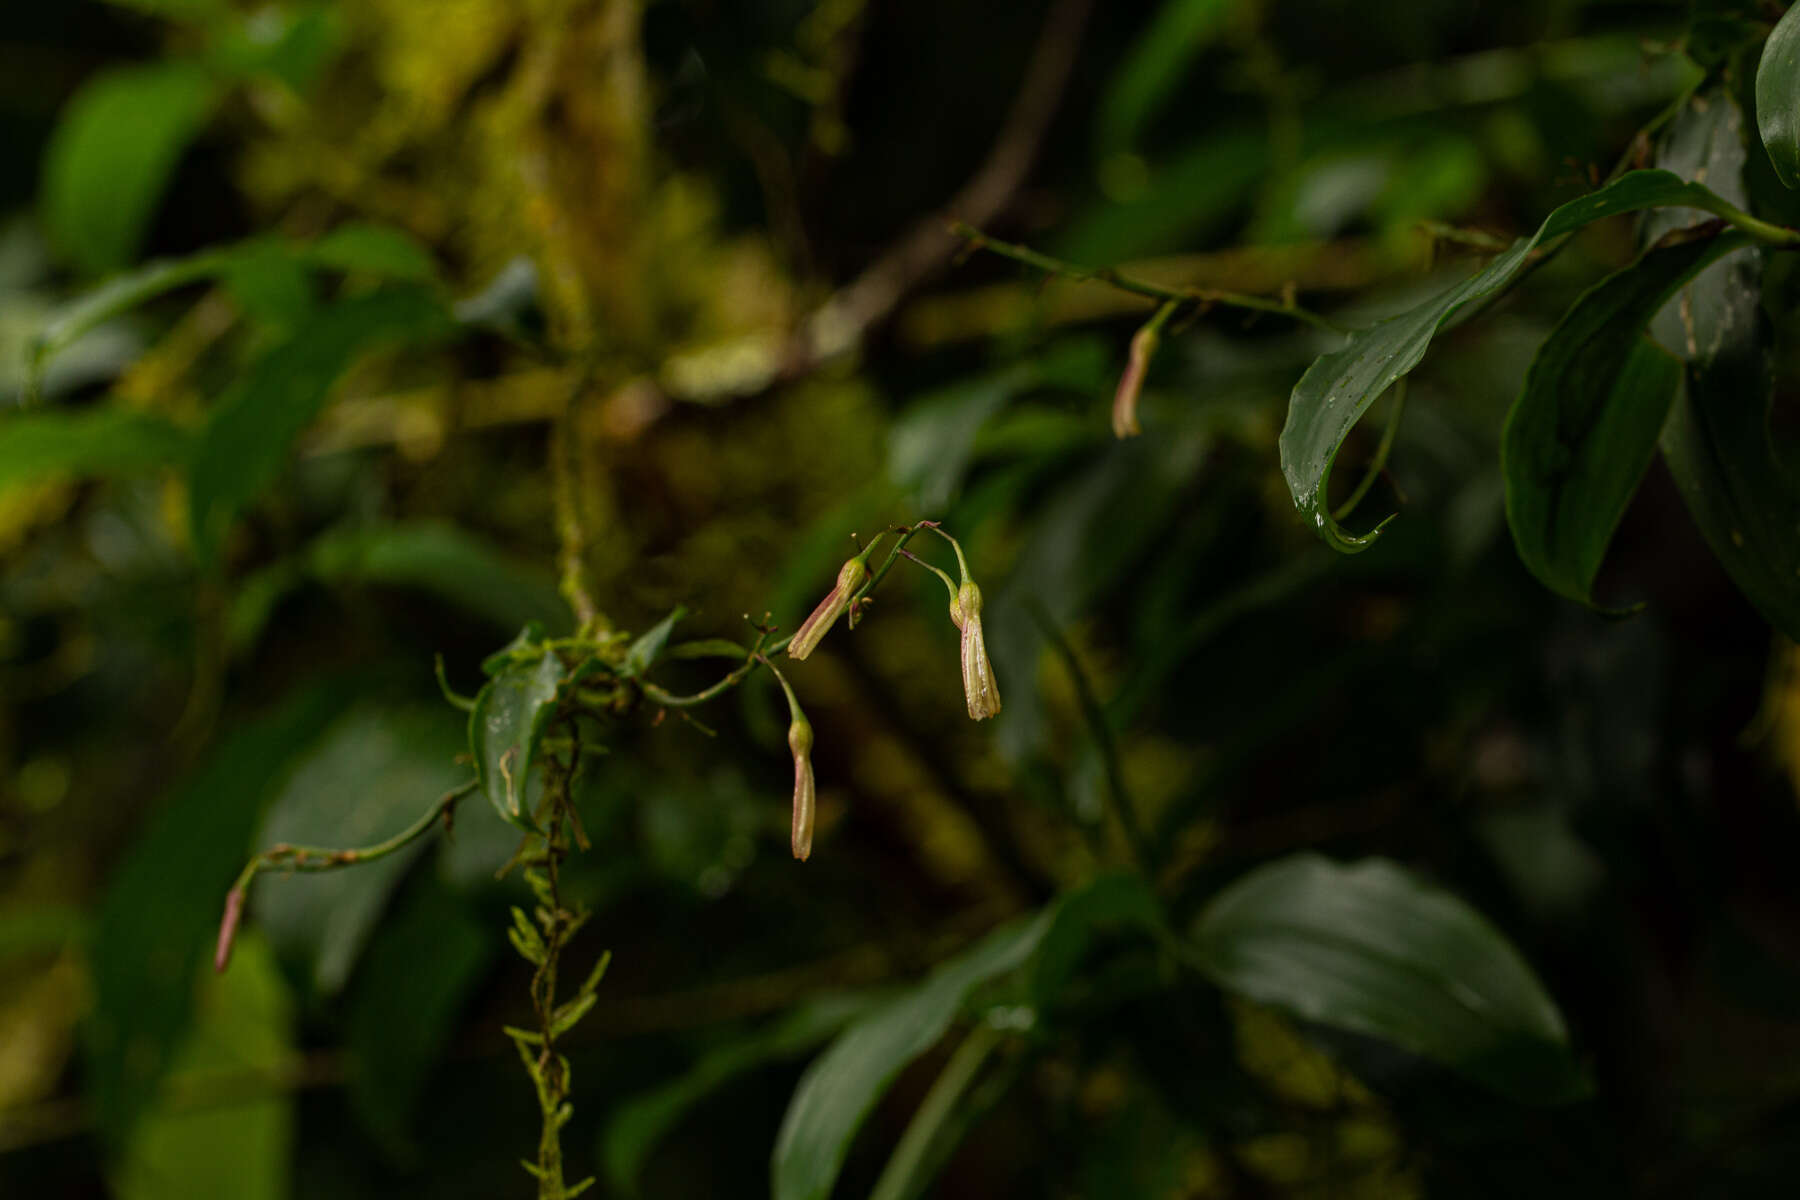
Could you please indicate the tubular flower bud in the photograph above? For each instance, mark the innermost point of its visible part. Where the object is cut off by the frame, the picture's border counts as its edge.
(979, 688)
(228, 927)
(813, 630)
(1124, 414)
(800, 741)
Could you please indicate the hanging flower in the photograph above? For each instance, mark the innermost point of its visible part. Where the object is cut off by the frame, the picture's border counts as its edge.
(979, 688)
(1125, 400)
(813, 630)
(800, 741)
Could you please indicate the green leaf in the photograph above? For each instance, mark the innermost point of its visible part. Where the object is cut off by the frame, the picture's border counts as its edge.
(97, 442)
(649, 646)
(378, 250)
(442, 559)
(357, 246)
(244, 1148)
(1339, 387)
(289, 44)
(1718, 445)
(504, 730)
(838, 1091)
(1155, 66)
(640, 1123)
(248, 434)
(370, 776)
(1778, 97)
(1585, 427)
(1373, 950)
(422, 968)
(156, 923)
(524, 645)
(112, 154)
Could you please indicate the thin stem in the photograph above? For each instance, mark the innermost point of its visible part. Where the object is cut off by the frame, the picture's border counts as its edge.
(1378, 464)
(943, 575)
(904, 1175)
(1141, 287)
(1124, 808)
(564, 471)
(907, 533)
(319, 858)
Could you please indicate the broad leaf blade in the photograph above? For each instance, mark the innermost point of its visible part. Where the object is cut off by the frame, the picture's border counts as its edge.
(112, 155)
(504, 729)
(107, 442)
(156, 923)
(1584, 429)
(370, 776)
(1373, 950)
(1778, 97)
(840, 1088)
(643, 1121)
(247, 437)
(1339, 387)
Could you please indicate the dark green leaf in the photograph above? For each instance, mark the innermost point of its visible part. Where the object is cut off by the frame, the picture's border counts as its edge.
(1373, 950)
(649, 646)
(1778, 97)
(836, 1093)
(445, 560)
(1584, 429)
(106, 442)
(708, 648)
(369, 777)
(1717, 443)
(1339, 387)
(157, 921)
(243, 1029)
(378, 250)
(404, 1004)
(112, 154)
(524, 645)
(247, 437)
(643, 1121)
(504, 729)
(1156, 65)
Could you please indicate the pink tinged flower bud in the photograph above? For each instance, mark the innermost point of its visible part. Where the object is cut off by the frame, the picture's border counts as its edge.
(228, 926)
(982, 693)
(1125, 400)
(813, 630)
(800, 741)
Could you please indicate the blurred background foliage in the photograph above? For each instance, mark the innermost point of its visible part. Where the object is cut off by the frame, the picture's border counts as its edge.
(215, 634)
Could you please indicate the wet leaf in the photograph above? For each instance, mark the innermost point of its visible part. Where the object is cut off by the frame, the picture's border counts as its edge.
(1339, 387)
(1585, 427)
(504, 729)
(1778, 97)
(1371, 949)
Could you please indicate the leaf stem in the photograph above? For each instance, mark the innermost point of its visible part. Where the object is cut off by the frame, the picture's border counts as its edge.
(1141, 287)
(1378, 464)
(905, 1174)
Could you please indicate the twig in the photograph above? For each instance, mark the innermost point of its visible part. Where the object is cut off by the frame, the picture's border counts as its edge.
(1124, 808)
(1378, 464)
(1142, 287)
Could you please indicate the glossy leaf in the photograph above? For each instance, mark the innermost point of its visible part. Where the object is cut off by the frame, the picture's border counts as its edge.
(370, 776)
(157, 920)
(1339, 387)
(112, 155)
(1585, 427)
(248, 434)
(244, 1029)
(103, 442)
(504, 729)
(649, 646)
(1778, 97)
(1372, 949)
(423, 965)
(643, 1121)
